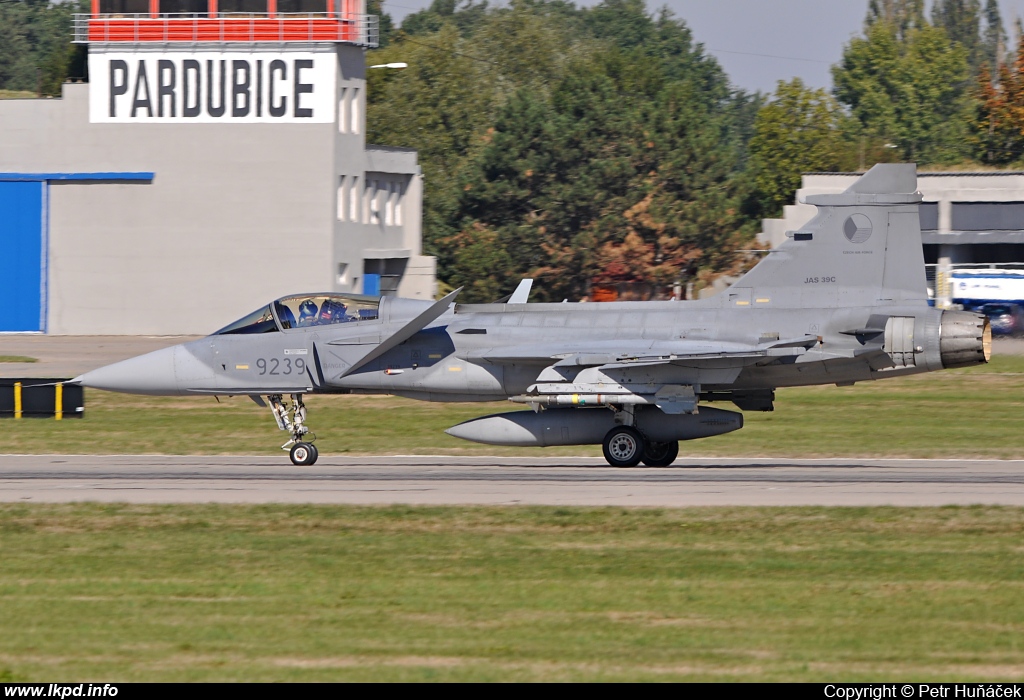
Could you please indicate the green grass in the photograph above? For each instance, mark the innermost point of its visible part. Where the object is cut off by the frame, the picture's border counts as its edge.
(93, 592)
(17, 358)
(975, 412)
(16, 94)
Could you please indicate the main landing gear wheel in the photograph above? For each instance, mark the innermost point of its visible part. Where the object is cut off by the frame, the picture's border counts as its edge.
(660, 454)
(303, 454)
(623, 446)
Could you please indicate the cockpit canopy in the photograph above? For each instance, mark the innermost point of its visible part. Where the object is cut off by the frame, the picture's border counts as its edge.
(305, 310)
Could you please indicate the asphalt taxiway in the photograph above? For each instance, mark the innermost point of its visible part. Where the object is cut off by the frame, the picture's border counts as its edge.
(509, 480)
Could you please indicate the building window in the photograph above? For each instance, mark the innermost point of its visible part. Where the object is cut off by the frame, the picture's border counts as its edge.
(306, 7)
(382, 276)
(343, 112)
(196, 8)
(353, 124)
(342, 273)
(367, 190)
(988, 216)
(341, 197)
(374, 202)
(124, 7)
(353, 199)
(383, 197)
(929, 213)
(241, 7)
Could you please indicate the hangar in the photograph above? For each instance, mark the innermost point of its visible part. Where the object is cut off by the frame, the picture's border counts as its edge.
(215, 160)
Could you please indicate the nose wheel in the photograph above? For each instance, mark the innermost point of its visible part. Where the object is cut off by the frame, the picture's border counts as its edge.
(303, 454)
(292, 418)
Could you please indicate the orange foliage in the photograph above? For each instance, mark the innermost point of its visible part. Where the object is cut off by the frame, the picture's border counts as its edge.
(1000, 121)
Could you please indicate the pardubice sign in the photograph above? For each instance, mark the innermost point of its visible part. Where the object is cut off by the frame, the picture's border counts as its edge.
(210, 87)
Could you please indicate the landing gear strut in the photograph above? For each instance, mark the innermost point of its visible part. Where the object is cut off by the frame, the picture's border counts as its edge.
(292, 417)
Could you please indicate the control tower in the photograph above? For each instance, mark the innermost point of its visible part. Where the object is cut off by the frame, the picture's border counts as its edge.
(225, 60)
(224, 21)
(216, 159)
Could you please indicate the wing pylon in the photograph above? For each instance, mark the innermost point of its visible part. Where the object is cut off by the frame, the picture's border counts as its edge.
(667, 375)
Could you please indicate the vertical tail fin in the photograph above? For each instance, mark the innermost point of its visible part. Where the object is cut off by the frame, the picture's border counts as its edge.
(863, 247)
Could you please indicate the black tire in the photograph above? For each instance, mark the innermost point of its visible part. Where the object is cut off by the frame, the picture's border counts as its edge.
(623, 446)
(303, 454)
(660, 454)
(316, 453)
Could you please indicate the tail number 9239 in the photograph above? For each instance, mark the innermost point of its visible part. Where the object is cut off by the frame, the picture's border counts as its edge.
(275, 367)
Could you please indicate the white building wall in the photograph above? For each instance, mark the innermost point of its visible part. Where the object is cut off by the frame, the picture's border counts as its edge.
(943, 188)
(235, 216)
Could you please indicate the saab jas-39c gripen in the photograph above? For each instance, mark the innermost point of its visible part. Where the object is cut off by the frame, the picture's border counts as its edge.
(843, 300)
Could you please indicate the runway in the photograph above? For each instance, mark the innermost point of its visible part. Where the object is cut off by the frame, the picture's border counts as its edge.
(437, 480)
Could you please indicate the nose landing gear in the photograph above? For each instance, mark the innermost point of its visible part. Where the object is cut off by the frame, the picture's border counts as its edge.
(292, 418)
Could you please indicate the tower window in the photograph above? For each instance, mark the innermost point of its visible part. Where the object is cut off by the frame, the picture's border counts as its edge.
(244, 7)
(124, 7)
(307, 7)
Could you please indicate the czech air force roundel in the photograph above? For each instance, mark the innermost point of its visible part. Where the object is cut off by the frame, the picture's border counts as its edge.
(857, 228)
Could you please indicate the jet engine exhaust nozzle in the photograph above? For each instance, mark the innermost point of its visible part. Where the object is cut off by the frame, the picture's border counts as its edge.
(965, 339)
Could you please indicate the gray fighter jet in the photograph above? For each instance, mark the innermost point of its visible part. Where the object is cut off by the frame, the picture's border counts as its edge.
(842, 301)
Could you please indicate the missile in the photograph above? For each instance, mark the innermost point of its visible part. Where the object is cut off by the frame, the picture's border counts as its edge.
(588, 426)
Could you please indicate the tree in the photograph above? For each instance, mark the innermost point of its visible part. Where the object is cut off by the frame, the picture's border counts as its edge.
(36, 53)
(385, 25)
(800, 130)
(993, 42)
(464, 15)
(17, 69)
(911, 90)
(445, 102)
(999, 126)
(437, 106)
(904, 15)
(558, 142)
(626, 24)
(962, 21)
(618, 177)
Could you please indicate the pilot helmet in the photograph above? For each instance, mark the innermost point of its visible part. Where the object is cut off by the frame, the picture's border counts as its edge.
(332, 311)
(307, 311)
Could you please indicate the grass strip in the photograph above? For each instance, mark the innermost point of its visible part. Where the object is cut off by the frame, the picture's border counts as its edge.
(328, 593)
(971, 413)
(17, 358)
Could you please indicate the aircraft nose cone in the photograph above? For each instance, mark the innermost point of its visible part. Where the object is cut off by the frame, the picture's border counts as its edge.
(154, 373)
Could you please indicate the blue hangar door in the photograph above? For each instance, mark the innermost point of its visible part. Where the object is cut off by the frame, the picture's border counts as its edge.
(21, 256)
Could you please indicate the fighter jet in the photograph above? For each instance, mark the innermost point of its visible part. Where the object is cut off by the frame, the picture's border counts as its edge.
(842, 300)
